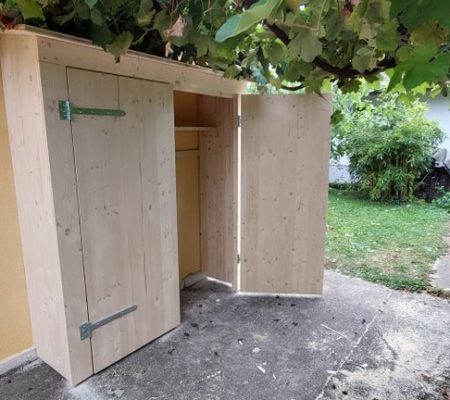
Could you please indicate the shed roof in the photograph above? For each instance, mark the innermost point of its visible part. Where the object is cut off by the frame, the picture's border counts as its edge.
(58, 48)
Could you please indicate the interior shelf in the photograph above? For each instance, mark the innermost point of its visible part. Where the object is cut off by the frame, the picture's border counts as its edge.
(193, 128)
(187, 153)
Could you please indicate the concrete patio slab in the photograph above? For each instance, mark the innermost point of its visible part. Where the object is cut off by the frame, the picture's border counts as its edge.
(359, 341)
(405, 354)
(441, 277)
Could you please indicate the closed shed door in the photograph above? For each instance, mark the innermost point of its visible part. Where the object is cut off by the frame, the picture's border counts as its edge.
(125, 170)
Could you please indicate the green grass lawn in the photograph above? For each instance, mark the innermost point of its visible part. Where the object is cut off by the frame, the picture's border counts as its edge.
(391, 244)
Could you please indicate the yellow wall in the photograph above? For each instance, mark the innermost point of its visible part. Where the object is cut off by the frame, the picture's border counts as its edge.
(188, 185)
(15, 328)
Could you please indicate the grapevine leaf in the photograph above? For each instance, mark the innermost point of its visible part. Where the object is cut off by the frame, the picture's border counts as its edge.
(414, 76)
(30, 9)
(387, 37)
(430, 33)
(336, 117)
(97, 16)
(82, 9)
(333, 25)
(241, 22)
(423, 11)
(438, 68)
(101, 34)
(295, 46)
(363, 59)
(375, 11)
(202, 43)
(306, 46)
(196, 12)
(217, 14)
(63, 19)
(283, 40)
(293, 5)
(351, 86)
(398, 6)
(164, 4)
(91, 3)
(145, 14)
(120, 44)
(161, 22)
(422, 65)
(274, 52)
(296, 70)
(312, 47)
(232, 71)
(396, 78)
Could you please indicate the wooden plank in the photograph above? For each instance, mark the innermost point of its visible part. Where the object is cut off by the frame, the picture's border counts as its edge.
(187, 153)
(62, 167)
(33, 182)
(126, 187)
(182, 76)
(159, 291)
(15, 324)
(73, 52)
(193, 128)
(188, 211)
(218, 187)
(186, 108)
(285, 156)
(98, 158)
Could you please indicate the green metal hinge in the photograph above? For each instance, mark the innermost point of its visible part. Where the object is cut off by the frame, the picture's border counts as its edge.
(67, 110)
(87, 328)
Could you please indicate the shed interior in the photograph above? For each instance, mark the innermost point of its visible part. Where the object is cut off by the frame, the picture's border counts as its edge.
(205, 144)
(188, 182)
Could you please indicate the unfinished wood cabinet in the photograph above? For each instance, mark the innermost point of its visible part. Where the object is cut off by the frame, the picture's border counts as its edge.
(133, 176)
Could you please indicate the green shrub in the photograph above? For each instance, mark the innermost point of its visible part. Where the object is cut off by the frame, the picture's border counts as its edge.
(389, 143)
(443, 201)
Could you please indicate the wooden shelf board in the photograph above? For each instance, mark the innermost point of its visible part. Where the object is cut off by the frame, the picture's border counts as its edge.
(187, 153)
(193, 128)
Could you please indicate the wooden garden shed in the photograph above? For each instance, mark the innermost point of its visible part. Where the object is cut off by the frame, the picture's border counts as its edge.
(132, 177)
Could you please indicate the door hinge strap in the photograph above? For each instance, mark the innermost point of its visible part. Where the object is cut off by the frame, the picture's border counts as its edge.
(239, 121)
(87, 328)
(67, 110)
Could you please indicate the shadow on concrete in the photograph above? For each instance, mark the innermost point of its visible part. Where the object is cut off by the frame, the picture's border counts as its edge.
(359, 341)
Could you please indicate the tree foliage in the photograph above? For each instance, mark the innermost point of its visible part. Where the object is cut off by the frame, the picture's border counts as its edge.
(389, 143)
(309, 42)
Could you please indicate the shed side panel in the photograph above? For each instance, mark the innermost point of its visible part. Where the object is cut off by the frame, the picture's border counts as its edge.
(28, 141)
(15, 324)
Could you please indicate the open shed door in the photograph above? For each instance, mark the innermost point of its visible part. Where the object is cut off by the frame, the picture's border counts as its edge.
(285, 157)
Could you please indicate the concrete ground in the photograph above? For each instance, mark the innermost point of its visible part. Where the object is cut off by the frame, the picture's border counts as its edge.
(360, 341)
(441, 277)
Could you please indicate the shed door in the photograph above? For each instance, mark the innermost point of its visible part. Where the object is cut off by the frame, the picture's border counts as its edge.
(285, 156)
(125, 168)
